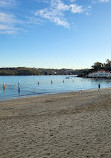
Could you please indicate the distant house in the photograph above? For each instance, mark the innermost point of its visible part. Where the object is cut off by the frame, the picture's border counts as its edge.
(100, 74)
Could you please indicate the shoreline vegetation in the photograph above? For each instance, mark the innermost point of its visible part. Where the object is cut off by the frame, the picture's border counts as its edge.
(64, 125)
(24, 71)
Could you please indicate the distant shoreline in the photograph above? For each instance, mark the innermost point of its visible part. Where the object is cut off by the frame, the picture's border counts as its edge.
(24, 71)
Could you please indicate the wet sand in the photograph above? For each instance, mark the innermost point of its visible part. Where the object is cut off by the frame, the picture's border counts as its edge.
(69, 125)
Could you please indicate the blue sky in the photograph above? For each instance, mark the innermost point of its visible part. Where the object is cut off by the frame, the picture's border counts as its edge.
(54, 33)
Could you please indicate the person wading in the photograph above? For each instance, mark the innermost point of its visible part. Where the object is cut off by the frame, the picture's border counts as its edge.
(99, 86)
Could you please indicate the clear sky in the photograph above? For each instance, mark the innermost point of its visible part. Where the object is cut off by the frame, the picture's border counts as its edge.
(54, 33)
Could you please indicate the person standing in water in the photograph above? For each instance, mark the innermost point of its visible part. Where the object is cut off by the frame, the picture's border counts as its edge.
(99, 86)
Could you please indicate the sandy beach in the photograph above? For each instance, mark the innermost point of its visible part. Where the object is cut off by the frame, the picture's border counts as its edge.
(68, 125)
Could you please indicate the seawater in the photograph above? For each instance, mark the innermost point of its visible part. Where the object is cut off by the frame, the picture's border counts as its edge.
(29, 85)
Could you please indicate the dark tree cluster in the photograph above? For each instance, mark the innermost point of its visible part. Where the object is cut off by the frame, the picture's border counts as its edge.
(23, 71)
(106, 66)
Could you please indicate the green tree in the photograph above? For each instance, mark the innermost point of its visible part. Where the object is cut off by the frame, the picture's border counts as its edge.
(97, 66)
(108, 65)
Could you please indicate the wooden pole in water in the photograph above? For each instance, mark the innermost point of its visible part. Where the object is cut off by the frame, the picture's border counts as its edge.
(4, 86)
(19, 86)
(51, 81)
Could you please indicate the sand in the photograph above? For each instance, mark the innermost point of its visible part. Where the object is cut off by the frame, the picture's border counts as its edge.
(69, 125)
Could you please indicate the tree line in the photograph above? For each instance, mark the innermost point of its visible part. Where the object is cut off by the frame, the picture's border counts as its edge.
(24, 71)
(106, 66)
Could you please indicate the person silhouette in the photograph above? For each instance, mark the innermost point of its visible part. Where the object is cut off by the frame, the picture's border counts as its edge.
(99, 86)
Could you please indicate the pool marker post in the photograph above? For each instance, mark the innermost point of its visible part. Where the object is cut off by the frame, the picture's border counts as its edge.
(4, 86)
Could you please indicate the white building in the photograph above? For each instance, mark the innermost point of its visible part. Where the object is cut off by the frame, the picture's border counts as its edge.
(100, 74)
